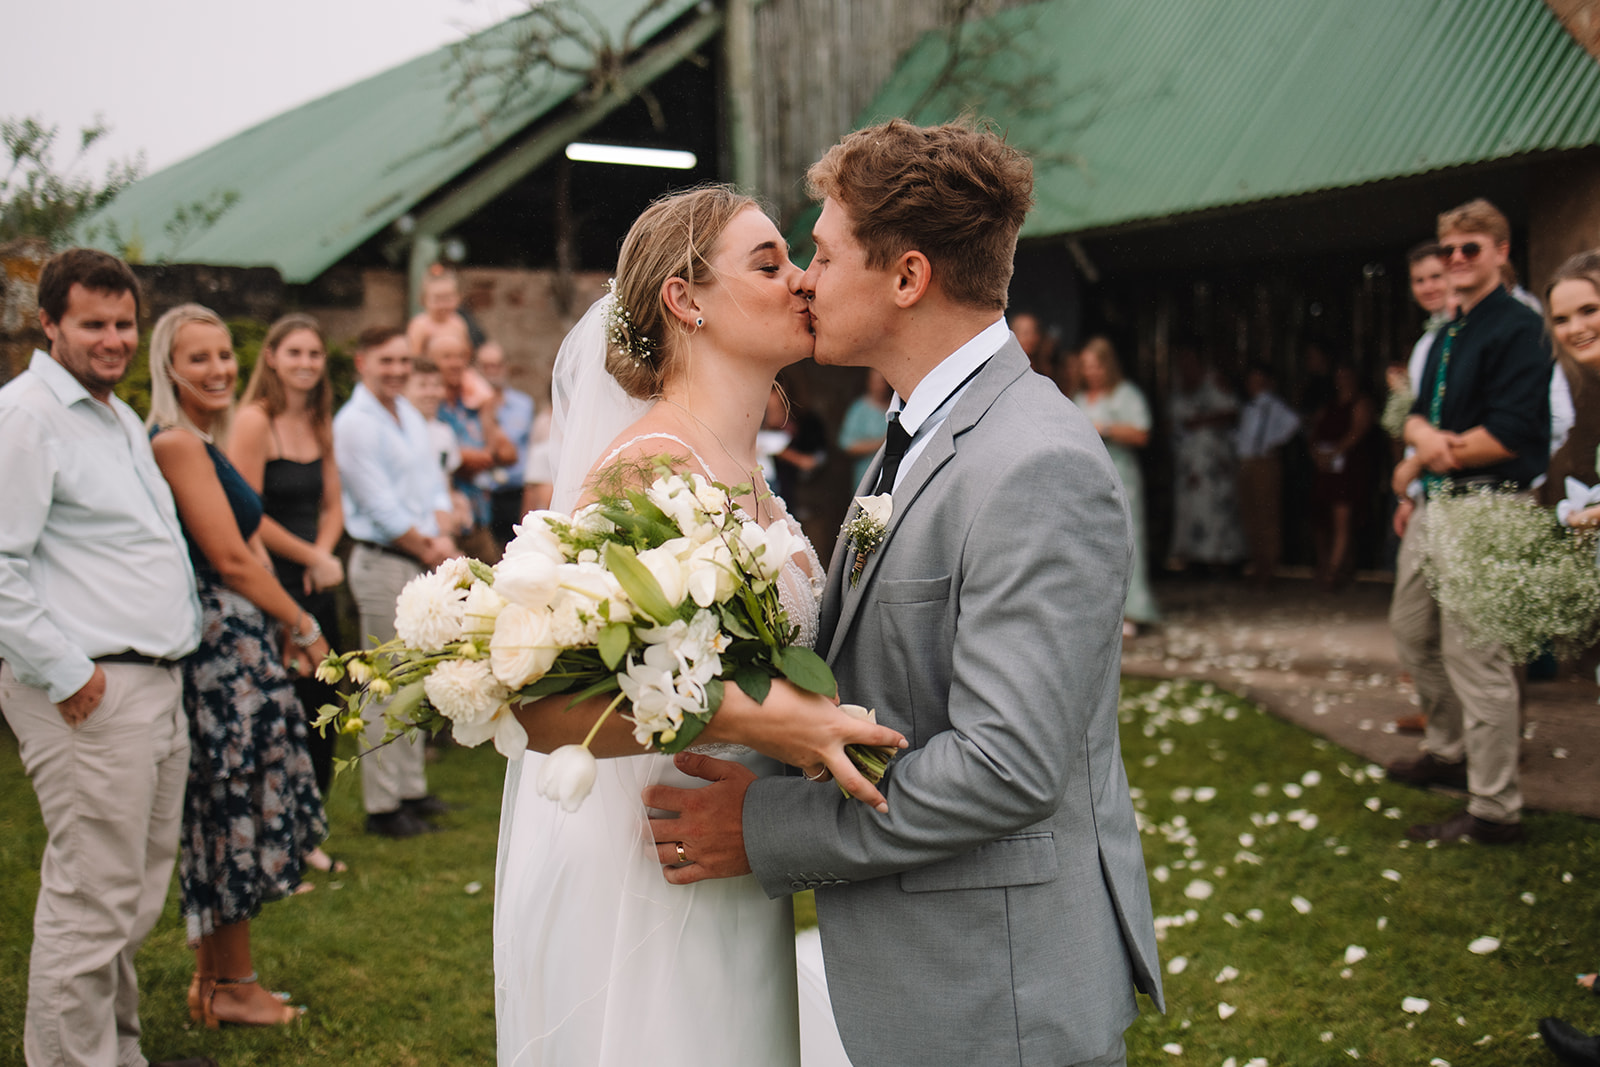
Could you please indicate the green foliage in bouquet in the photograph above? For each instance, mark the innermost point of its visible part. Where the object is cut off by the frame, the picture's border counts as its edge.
(1512, 574)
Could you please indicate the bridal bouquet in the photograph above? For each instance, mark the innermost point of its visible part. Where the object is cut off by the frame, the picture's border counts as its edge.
(661, 597)
(1512, 574)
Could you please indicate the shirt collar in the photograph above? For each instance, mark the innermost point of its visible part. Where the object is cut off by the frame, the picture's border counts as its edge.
(951, 373)
(68, 389)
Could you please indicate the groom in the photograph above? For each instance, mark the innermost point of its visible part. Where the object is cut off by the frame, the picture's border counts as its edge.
(998, 911)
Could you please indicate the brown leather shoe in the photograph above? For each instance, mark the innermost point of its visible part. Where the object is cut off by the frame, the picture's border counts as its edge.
(1425, 770)
(1464, 825)
(1411, 724)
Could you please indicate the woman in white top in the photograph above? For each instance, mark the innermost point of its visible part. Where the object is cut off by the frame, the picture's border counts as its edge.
(597, 959)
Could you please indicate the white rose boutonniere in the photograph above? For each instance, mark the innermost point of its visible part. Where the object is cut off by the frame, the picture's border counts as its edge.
(867, 528)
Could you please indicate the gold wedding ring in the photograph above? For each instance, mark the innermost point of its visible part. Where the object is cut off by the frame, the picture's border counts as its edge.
(683, 857)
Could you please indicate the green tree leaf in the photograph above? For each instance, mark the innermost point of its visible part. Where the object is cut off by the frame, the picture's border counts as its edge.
(756, 682)
(807, 670)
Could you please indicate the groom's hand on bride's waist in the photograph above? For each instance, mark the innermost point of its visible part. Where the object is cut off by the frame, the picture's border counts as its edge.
(706, 839)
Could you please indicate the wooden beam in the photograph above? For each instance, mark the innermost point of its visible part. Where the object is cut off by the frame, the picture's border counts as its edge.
(540, 144)
(739, 53)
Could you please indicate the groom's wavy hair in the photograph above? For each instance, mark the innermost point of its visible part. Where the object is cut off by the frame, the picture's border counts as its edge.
(957, 193)
(674, 238)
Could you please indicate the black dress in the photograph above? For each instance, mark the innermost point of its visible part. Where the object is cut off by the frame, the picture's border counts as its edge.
(252, 809)
(291, 494)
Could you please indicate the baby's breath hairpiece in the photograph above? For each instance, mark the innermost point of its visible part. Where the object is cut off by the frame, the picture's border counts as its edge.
(620, 330)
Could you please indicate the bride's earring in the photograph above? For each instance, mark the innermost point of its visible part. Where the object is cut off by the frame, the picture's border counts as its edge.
(699, 322)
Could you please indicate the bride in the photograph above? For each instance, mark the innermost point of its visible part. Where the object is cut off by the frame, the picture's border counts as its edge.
(598, 961)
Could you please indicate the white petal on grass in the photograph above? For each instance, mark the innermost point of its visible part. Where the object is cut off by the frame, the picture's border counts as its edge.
(1246, 856)
(1354, 954)
(1383, 922)
(1375, 772)
(1177, 964)
(1225, 1010)
(1161, 874)
(1311, 778)
(1182, 795)
(1347, 973)
(1257, 1061)
(1255, 915)
(1172, 1048)
(1199, 889)
(1391, 813)
(1231, 919)
(1566, 877)
(1391, 874)
(1308, 821)
(1529, 899)
(1205, 794)
(1227, 974)
(1327, 1037)
(1247, 839)
(1482, 946)
(1559, 753)
(1301, 904)
(1352, 1053)
(1437, 1062)
(1414, 1005)
(1292, 790)
(1342, 850)
(1260, 789)
(1461, 1020)
(1373, 803)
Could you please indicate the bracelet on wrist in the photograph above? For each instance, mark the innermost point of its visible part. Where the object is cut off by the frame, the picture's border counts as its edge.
(308, 637)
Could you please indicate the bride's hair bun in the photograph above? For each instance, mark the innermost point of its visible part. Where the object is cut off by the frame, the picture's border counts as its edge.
(674, 238)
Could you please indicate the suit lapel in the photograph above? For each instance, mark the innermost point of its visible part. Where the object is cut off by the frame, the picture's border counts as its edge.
(1001, 370)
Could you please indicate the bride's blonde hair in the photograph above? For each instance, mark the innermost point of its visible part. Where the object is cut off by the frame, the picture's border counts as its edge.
(674, 238)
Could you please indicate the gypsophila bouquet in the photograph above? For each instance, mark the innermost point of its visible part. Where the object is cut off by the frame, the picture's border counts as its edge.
(659, 596)
(1396, 409)
(1512, 574)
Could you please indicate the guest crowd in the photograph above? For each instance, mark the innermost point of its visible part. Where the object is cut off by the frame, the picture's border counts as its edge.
(167, 591)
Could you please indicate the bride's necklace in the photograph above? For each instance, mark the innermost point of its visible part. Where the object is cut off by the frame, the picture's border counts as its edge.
(756, 479)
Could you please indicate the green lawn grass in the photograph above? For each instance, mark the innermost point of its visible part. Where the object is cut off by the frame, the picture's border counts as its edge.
(396, 967)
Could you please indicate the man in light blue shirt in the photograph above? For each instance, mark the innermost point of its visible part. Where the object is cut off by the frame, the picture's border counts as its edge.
(514, 412)
(97, 604)
(396, 503)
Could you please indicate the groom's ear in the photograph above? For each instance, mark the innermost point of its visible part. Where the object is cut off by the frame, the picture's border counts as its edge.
(913, 274)
(679, 300)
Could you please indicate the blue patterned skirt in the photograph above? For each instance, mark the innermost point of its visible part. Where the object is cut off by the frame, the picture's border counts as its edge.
(252, 810)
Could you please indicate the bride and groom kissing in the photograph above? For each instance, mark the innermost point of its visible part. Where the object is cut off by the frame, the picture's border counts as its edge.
(987, 904)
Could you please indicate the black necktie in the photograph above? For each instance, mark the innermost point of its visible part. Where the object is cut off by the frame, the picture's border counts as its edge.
(895, 443)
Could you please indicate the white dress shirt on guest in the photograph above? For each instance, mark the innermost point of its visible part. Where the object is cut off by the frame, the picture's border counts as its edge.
(389, 470)
(92, 558)
(1265, 423)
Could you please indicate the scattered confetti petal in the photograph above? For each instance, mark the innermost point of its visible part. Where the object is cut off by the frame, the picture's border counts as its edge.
(1177, 964)
(1227, 974)
(1260, 789)
(1182, 794)
(1461, 1020)
(1161, 874)
(1255, 915)
(1199, 889)
(1373, 803)
(1225, 1010)
(1247, 839)
(1375, 772)
(1559, 753)
(1483, 946)
(1205, 794)
(1301, 904)
(1566, 877)
(1354, 954)
(1172, 1048)
(1414, 1005)
(1391, 813)
(1308, 821)
(1292, 790)
(1529, 899)
(1327, 1037)
(1246, 856)
(1311, 778)
(474, 888)
(1347, 973)
(1383, 922)
(1391, 874)
(1437, 1062)
(1231, 919)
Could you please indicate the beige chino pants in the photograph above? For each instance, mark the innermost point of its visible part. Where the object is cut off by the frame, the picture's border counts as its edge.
(1469, 694)
(111, 794)
(396, 771)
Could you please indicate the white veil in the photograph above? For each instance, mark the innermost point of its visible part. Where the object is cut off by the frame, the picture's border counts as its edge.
(589, 409)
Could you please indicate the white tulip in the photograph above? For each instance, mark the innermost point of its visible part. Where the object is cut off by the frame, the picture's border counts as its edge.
(567, 776)
(530, 579)
(662, 562)
(536, 534)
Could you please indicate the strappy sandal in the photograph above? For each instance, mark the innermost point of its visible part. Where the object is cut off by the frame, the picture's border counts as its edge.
(287, 1014)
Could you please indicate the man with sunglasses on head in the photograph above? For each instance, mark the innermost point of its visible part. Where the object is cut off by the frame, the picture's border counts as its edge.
(1481, 417)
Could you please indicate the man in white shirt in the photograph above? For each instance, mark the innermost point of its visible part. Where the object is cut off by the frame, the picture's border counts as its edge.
(1266, 424)
(97, 604)
(396, 504)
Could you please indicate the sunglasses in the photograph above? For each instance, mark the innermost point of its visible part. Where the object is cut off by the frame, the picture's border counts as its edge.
(1469, 251)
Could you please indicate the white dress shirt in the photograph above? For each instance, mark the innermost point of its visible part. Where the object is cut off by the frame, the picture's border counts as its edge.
(92, 558)
(389, 471)
(930, 402)
(1265, 423)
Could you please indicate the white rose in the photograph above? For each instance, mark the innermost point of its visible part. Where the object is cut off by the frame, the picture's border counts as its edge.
(662, 563)
(464, 691)
(567, 776)
(430, 611)
(530, 579)
(713, 501)
(537, 534)
(510, 739)
(521, 650)
(482, 606)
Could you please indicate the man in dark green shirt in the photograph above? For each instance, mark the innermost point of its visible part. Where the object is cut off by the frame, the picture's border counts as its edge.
(1482, 416)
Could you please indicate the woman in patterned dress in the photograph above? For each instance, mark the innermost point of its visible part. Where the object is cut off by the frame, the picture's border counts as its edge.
(252, 810)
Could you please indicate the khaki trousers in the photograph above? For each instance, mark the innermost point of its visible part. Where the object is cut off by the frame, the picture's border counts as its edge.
(1469, 694)
(111, 795)
(1261, 509)
(396, 771)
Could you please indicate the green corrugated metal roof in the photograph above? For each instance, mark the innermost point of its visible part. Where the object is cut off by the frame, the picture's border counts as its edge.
(1142, 109)
(317, 181)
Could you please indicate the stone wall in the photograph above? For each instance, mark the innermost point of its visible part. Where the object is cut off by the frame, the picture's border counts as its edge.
(20, 264)
(1563, 215)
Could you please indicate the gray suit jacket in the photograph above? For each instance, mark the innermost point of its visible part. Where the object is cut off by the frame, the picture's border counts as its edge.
(999, 913)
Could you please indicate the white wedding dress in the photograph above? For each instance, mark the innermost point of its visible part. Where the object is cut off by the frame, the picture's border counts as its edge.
(599, 962)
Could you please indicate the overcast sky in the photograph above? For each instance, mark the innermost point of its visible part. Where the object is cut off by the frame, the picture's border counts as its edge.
(172, 77)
